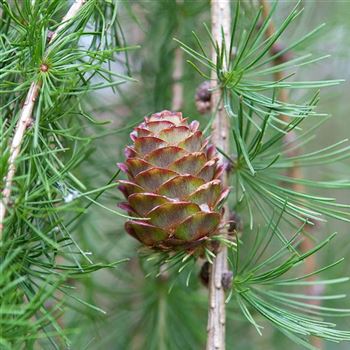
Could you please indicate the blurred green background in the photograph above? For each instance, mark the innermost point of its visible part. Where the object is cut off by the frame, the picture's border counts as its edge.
(140, 313)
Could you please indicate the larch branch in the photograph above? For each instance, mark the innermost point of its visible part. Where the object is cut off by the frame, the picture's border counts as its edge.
(178, 90)
(221, 23)
(25, 120)
(177, 100)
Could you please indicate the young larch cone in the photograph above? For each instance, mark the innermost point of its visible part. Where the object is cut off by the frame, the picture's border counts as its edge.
(173, 183)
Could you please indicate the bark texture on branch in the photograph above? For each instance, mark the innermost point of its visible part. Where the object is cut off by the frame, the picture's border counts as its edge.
(220, 23)
(24, 121)
(177, 101)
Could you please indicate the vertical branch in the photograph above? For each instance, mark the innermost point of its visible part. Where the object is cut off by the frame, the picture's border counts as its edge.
(295, 171)
(22, 124)
(270, 31)
(220, 24)
(177, 101)
(24, 121)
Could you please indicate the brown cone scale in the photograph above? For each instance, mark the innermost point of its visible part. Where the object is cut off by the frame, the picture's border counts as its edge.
(173, 184)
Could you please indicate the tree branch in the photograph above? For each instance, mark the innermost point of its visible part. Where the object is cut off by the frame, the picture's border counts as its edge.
(25, 120)
(177, 100)
(221, 23)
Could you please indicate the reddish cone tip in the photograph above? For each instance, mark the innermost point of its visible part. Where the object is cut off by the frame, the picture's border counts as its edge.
(173, 183)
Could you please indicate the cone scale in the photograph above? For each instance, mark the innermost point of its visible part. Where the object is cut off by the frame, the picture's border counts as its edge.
(173, 184)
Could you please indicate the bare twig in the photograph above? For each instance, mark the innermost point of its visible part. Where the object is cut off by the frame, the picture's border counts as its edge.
(73, 10)
(270, 31)
(295, 171)
(24, 121)
(177, 101)
(221, 22)
(178, 90)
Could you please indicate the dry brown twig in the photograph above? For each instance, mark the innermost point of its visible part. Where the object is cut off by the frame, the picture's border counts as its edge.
(25, 120)
(221, 23)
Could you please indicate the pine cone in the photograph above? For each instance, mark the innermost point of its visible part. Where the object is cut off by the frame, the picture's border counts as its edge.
(173, 183)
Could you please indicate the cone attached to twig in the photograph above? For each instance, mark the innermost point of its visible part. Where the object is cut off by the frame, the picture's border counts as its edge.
(173, 184)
